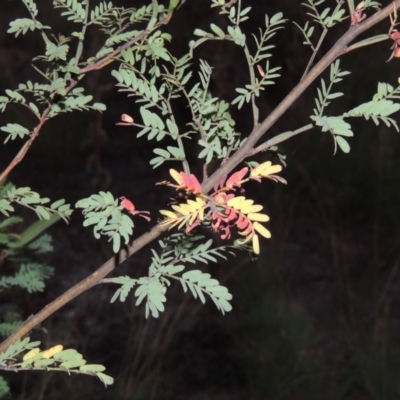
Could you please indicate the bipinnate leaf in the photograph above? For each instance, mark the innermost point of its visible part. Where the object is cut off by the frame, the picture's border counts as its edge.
(201, 283)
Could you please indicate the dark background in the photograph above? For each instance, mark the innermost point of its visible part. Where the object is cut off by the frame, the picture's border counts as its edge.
(315, 317)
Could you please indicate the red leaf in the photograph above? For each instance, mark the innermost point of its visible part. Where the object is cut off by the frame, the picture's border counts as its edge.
(236, 178)
(226, 233)
(231, 215)
(195, 184)
(242, 222)
(127, 204)
(219, 184)
(190, 183)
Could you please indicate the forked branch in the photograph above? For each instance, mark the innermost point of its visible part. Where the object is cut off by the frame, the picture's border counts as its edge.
(260, 130)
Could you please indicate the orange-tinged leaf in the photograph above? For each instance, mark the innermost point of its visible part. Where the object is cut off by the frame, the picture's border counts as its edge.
(195, 186)
(248, 231)
(236, 178)
(258, 217)
(53, 350)
(262, 230)
(256, 244)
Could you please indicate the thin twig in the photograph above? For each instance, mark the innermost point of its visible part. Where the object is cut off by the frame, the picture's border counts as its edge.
(24, 149)
(96, 66)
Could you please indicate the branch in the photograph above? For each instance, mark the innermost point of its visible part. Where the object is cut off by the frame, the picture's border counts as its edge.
(337, 50)
(93, 67)
(24, 149)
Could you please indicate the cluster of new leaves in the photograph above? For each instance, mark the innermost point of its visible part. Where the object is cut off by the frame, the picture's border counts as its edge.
(176, 251)
(106, 214)
(378, 109)
(53, 359)
(221, 210)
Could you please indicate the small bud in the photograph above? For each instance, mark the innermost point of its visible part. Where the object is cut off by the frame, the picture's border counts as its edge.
(127, 118)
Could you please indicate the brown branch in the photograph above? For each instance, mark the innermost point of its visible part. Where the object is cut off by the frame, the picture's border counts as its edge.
(96, 66)
(24, 149)
(337, 50)
(109, 58)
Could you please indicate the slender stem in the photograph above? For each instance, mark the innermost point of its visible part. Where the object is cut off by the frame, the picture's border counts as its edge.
(350, 4)
(18, 369)
(239, 8)
(282, 137)
(185, 163)
(316, 49)
(337, 50)
(95, 66)
(24, 149)
(253, 83)
(79, 49)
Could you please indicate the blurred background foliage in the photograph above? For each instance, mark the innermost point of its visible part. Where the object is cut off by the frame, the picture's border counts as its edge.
(315, 317)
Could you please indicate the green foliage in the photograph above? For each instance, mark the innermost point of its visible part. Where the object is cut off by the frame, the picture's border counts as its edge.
(324, 94)
(326, 18)
(4, 388)
(176, 251)
(147, 70)
(24, 196)
(30, 277)
(53, 359)
(19, 261)
(378, 109)
(104, 212)
(20, 251)
(7, 328)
